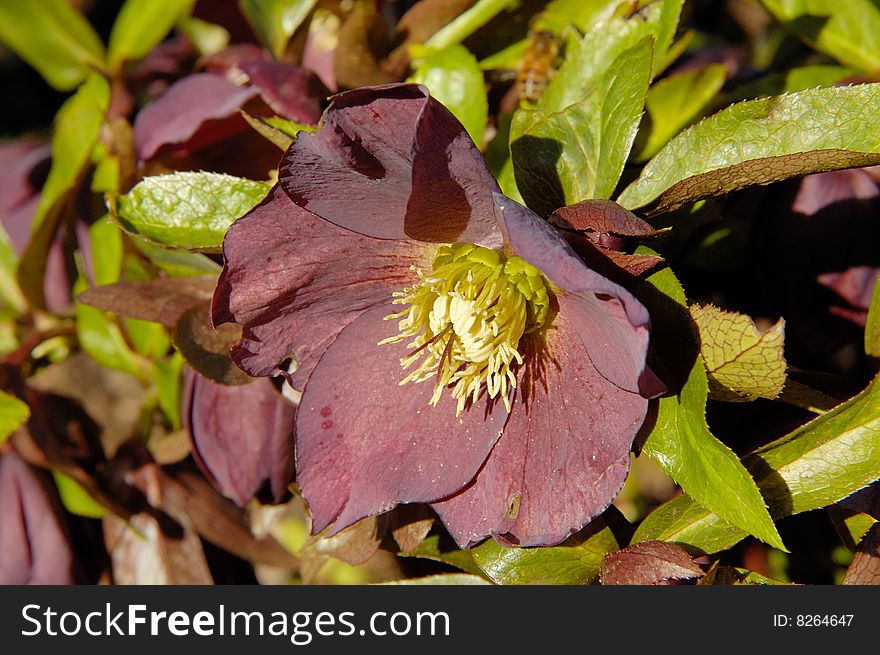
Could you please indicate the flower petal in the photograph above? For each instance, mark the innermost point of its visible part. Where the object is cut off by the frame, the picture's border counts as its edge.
(242, 436)
(392, 163)
(293, 281)
(564, 454)
(615, 325)
(290, 91)
(365, 443)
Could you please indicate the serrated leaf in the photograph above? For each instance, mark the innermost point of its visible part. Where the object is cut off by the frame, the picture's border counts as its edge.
(675, 102)
(443, 579)
(648, 562)
(76, 499)
(586, 63)
(741, 362)
(848, 31)
(275, 21)
(13, 414)
(579, 152)
(575, 561)
(77, 126)
(140, 26)
(760, 142)
(682, 445)
(188, 210)
(54, 38)
(453, 77)
(818, 464)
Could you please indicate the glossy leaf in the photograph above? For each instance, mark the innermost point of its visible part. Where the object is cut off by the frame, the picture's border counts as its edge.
(587, 63)
(742, 363)
(760, 142)
(13, 413)
(575, 561)
(275, 21)
(676, 101)
(681, 443)
(188, 210)
(848, 31)
(77, 126)
(54, 38)
(454, 78)
(141, 25)
(578, 153)
(818, 464)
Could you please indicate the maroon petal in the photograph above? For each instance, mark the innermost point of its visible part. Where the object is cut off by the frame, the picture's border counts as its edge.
(615, 325)
(564, 454)
(391, 162)
(33, 540)
(242, 436)
(186, 106)
(290, 91)
(364, 443)
(293, 281)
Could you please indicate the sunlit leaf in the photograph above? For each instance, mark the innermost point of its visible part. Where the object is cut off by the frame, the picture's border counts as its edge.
(75, 499)
(13, 413)
(454, 78)
(54, 38)
(140, 26)
(818, 464)
(742, 363)
(848, 31)
(275, 21)
(760, 142)
(188, 210)
(577, 153)
(681, 443)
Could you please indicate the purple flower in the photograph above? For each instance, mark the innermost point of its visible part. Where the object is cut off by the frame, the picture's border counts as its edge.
(451, 347)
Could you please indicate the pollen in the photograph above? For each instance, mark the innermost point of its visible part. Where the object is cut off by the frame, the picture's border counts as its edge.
(465, 320)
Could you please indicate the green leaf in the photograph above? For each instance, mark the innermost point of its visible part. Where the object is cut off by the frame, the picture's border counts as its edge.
(77, 126)
(140, 26)
(575, 561)
(106, 242)
(872, 326)
(453, 77)
(742, 363)
(676, 101)
(682, 445)
(760, 142)
(848, 31)
(54, 38)
(275, 21)
(188, 210)
(208, 38)
(586, 62)
(169, 387)
(13, 414)
(76, 499)
(578, 153)
(794, 79)
(10, 295)
(816, 465)
(430, 549)
(467, 23)
(176, 263)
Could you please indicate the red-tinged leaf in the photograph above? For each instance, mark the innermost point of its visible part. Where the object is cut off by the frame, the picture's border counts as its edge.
(162, 300)
(865, 566)
(602, 216)
(290, 91)
(176, 116)
(33, 537)
(242, 436)
(648, 563)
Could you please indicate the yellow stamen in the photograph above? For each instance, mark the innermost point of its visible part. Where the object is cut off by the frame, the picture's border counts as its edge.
(466, 320)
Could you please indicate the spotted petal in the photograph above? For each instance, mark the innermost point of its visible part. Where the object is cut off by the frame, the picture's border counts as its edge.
(564, 454)
(392, 163)
(614, 325)
(364, 443)
(293, 281)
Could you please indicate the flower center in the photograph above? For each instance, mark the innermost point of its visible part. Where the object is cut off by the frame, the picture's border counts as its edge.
(466, 320)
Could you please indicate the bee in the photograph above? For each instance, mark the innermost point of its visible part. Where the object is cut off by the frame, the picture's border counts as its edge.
(541, 60)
